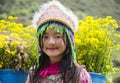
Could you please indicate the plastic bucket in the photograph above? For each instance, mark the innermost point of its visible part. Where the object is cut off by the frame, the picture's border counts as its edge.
(12, 76)
(97, 77)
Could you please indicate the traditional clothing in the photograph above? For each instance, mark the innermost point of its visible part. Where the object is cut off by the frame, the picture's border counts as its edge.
(52, 75)
(55, 13)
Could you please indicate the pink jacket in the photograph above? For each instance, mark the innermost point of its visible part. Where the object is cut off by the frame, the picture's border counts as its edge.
(81, 76)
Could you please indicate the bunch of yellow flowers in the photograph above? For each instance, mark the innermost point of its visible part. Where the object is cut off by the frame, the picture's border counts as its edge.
(95, 40)
(17, 45)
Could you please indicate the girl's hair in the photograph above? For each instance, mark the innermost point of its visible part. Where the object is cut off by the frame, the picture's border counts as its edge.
(66, 64)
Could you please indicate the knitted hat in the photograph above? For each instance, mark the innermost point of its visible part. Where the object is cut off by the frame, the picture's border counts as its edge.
(56, 12)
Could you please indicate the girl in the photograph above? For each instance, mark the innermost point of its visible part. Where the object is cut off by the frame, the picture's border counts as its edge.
(57, 61)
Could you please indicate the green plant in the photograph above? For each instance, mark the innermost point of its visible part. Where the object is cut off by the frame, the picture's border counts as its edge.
(18, 45)
(95, 41)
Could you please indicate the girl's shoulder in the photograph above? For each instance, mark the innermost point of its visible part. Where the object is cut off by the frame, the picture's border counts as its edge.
(81, 74)
(79, 68)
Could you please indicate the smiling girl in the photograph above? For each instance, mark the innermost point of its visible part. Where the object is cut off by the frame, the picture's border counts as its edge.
(57, 61)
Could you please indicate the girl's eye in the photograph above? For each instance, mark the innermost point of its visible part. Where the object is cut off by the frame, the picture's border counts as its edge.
(58, 36)
(45, 37)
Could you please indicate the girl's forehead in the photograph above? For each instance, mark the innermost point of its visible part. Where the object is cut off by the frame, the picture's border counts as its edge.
(52, 31)
(55, 28)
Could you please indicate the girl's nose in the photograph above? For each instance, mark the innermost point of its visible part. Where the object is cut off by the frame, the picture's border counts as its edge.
(51, 41)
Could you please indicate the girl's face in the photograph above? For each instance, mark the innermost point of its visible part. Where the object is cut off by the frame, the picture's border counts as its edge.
(54, 44)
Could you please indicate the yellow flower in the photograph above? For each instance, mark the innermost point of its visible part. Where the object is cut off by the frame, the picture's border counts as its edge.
(89, 18)
(15, 44)
(27, 36)
(2, 21)
(8, 51)
(93, 41)
(117, 47)
(93, 64)
(109, 17)
(10, 17)
(13, 52)
(115, 25)
(0, 66)
(20, 25)
(1, 44)
(87, 40)
(3, 37)
(105, 25)
(113, 21)
(15, 36)
(108, 67)
(117, 35)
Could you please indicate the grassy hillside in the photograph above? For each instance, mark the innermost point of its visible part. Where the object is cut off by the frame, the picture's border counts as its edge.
(25, 8)
(95, 7)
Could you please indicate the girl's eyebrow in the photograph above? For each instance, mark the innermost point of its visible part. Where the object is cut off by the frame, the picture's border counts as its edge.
(57, 33)
(45, 33)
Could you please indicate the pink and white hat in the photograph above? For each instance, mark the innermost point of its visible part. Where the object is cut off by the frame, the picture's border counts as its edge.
(55, 11)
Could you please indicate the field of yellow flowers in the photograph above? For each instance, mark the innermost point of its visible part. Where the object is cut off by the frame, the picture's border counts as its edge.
(17, 45)
(95, 40)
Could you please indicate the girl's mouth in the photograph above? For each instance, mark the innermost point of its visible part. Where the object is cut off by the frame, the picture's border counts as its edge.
(52, 48)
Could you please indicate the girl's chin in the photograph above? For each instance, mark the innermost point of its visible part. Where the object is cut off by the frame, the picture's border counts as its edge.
(53, 54)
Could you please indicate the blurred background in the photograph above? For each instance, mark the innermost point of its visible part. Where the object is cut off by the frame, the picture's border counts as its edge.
(24, 10)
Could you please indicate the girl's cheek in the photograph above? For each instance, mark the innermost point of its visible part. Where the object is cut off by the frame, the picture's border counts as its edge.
(60, 42)
(45, 41)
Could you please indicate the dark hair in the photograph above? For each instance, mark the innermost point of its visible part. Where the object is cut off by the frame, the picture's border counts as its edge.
(66, 64)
